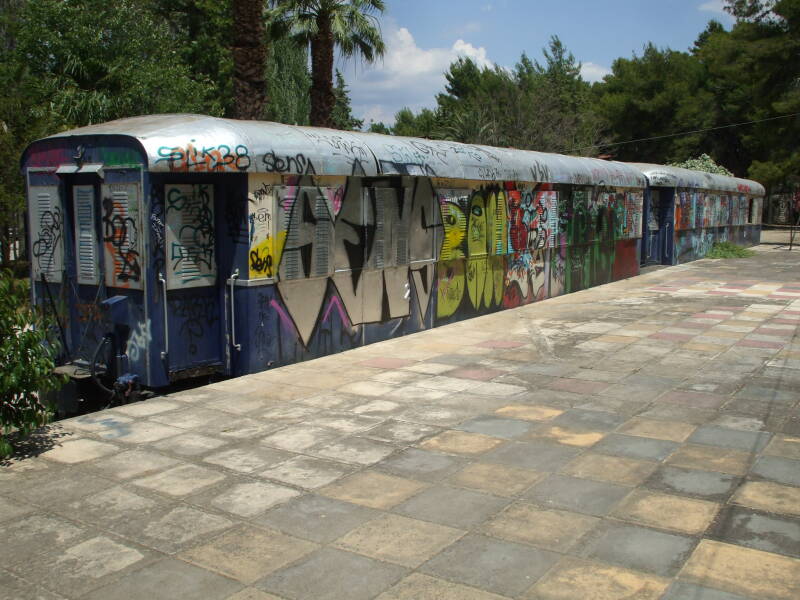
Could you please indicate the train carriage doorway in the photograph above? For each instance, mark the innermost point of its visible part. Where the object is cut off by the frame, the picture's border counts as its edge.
(189, 284)
(657, 231)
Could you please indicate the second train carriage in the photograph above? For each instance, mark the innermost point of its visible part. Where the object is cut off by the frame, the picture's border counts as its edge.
(235, 246)
(687, 211)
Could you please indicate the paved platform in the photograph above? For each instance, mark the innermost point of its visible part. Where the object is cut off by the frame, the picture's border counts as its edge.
(638, 440)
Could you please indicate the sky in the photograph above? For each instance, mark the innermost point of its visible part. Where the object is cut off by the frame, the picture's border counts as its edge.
(424, 36)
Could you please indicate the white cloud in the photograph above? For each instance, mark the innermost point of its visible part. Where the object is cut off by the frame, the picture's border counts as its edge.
(592, 72)
(408, 75)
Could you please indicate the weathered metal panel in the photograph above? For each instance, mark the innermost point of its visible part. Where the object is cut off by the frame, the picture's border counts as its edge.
(47, 232)
(196, 143)
(667, 176)
(190, 248)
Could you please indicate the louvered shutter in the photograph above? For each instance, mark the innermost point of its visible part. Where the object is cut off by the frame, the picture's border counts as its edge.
(47, 232)
(291, 218)
(379, 248)
(402, 251)
(85, 236)
(120, 225)
(552, 217)
(323, 236)
(190, 236)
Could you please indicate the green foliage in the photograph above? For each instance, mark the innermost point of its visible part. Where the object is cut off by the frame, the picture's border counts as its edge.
(379, 127)
(201, 32)
(703, 163)
(27, 353)
(342, 112)
(323, 25)
(424, 124)
(747, 74)
(657, 93)
(288, 82)
(92, 61)
(536, 106)
(728, 250)
(354, 25)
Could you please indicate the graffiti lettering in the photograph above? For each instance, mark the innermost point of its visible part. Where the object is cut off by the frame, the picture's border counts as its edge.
(298, 164)
(206, 158)
(48, 238)
(121, 239)
(260, 264)
(196, 315)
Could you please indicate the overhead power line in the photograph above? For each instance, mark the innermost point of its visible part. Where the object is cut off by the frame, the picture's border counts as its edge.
(671, 135)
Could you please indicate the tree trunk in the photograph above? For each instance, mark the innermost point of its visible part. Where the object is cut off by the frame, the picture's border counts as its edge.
(249, 59)
(322, 96)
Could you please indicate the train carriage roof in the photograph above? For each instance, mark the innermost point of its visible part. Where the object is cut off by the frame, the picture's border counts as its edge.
(182, 142)
(666, 176)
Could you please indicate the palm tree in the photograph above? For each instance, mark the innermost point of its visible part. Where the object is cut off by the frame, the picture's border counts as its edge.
(350, 25)
(249, 59)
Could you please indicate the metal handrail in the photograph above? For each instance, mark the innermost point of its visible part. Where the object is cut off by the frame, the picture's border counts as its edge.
(234, 276)
(163, 283)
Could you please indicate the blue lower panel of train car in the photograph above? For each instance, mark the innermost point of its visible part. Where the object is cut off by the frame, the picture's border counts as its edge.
(705, 218)
(362, 261)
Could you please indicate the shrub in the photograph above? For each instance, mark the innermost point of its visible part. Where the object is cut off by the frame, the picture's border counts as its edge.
(27, 355)
(728, 250)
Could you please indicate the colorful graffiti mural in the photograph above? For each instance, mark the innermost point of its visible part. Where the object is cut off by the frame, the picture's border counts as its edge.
(703, 219)
(344, 256)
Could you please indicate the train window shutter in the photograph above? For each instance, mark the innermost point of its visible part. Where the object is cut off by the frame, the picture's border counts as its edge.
(379, 249)
(121, 230)
(323, 234)
(403, 215)
(190, 236)
(47, 232)
(85, 234)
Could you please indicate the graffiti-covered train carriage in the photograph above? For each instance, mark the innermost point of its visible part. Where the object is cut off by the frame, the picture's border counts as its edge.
(196, 245)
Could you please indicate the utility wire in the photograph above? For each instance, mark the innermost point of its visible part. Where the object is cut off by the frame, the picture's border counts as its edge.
(661, 137)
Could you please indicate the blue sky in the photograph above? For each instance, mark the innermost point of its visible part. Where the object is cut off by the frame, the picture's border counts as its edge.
(424, 36)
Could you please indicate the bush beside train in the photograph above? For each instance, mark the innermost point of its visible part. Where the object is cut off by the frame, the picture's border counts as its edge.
(173, 246)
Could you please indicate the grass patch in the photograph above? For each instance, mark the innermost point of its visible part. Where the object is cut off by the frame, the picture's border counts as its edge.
(728, 250)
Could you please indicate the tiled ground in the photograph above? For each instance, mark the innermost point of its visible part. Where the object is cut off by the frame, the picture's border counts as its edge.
(630, 441)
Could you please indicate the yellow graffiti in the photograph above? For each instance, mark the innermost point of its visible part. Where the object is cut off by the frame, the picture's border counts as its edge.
(500, 231)
(265, 256)
(455, 226)
(485, 279)
(496, 220)
(476, 242)
(450, 275)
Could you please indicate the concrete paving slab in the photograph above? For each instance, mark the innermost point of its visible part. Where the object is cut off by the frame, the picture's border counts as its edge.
(331, 574)
(248, 553)
(576, 494)
(168, 579)
(456, 507)
(424, 587)
(421, 464)
(549, 529)
(561, 428)
(759, 530)
(316, 518)
(629, 446)
(493, 565)
(575, 578)
(743, 570)
(532, 455)
(398, 539)
(638, 548)
(778, 469)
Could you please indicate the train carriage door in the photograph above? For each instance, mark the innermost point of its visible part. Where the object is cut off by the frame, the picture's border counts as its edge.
(193, 314)
(657, 235)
